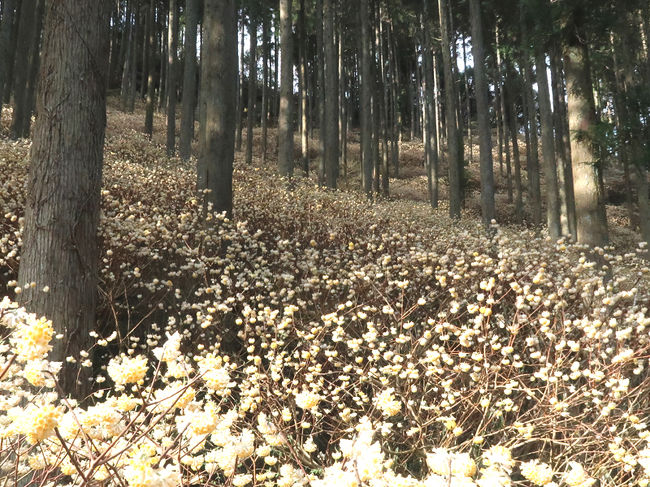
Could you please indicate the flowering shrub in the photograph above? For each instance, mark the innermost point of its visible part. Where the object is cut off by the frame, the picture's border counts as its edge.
(320, 340)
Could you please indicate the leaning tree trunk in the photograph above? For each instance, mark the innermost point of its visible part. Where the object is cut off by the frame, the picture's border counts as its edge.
(483, 114)
(285, 122)
(189, 79)
(172, 46)
(453, 140)
(218, 105)
(60, 245)
(589, 197)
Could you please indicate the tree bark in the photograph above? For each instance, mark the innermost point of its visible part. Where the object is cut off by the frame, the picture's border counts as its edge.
(172, 47)
(453, 140)
(189, 79)
(26, 38)
(218, 105)
(265, 86)
(148, 120)
(366, 83)
(285, 122)
(548, 147)
(304, 134)
(252, 89)
(589, 198)
(331, 155)
(60, 245)
(483, 114)
(430, 121)
(6, 56)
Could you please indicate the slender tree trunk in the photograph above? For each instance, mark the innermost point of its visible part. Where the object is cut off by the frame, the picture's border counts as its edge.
(34, 68)
(26, 37)
(265, 86)
(133, 68)
(240, 89)
(304, 134)
(148, 119)
(468, 103)
(189, 79)
(285, 123)
(164, 62)
(366, 83)
(589, 197)
(514, 139)
(218, 105)
(548, 148)
(172, 63)
(483, 114)
(127, 63)
(252, 89)
(6, 54)
(331, 154)
(430, 122)
(322, 125)
(453, 141)
(565, 180)
(60, 247)
(532, 160)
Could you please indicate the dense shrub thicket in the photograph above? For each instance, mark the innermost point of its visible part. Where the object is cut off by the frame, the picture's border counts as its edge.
(322, 340)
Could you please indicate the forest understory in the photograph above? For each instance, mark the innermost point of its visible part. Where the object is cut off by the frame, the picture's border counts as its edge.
(322, 339)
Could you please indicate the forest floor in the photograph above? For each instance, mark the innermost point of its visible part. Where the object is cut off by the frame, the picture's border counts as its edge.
(314, 309)
(411, 184)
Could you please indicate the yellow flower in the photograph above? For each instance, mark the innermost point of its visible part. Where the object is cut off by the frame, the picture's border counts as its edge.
(128, 370)
(537, 472)
(307, 400)
(387, 404)
(32, 339)
(38, 423)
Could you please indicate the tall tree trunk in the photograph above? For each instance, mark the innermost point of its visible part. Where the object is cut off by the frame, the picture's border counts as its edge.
(304, 134)
(366, 83)
(6, 56)
(164, 62)
(513, 126)
(532, 160)
(483, 114)
(131, 87)
(148, 119)
(189, 79)
(322, 125)
(240, 88)
(564, 177)
(129, 51)
(172, 63)
(285, 122)
(60, 246)
(265, 86)
(589, 197)
(548, 147)
(454, 157)
(26, 38)
(252, 89)
(430, 122)
(34, 68)
(331, 154)
(218, 105)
